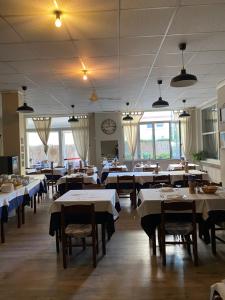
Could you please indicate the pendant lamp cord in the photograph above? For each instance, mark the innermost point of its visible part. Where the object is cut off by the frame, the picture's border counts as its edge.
(182, 55)
(160, 90)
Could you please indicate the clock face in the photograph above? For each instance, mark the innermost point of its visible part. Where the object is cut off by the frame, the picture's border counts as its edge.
(108, 126)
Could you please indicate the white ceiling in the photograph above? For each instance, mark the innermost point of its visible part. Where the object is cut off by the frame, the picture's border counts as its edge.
(127, 45)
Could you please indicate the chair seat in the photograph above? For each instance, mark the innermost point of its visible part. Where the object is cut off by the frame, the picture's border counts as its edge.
(78, 230)
(178, 228)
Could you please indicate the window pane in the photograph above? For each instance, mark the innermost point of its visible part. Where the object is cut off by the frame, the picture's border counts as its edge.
(210, 145)
(175, 140)
(53, 147)
(146, 141)
(69, 149)
(162, 144)
(209, 119)
(35, 149)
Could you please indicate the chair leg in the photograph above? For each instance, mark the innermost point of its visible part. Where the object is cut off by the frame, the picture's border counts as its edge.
(163, 246)
(2, 232)
(83, 243)
(64, 250)
(213, 239)
(70, 245)
(159, 238)
(103, 239)
(195, 248)
(94, 250)
(97, 244)
(153, 238)
(57, 241)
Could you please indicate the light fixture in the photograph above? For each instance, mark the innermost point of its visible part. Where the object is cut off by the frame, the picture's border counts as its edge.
(184, 113)
(58, 22)
(25, 108)
(160, 102)
(85, 77)
(127, 117)
(73, 119)
(183, 79)
(94, 96)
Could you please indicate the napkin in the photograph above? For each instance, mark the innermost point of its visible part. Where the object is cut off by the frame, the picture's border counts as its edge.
(166, 189)
(174, 197)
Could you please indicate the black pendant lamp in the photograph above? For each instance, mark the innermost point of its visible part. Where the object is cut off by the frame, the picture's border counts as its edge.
(127, 117)
(73, 119)
(160, 102)
(25, 109)
(183, 79)
(184, 113)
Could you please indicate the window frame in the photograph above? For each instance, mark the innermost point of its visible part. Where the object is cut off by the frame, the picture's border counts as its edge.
(153, 135)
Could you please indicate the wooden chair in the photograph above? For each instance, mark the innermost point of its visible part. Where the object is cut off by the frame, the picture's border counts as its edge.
(91, 186)
(186, 230)
(161, 179)
(148, 169)
(74, 183)
(126, 185)
(215, 227)
(111, 170)
(75, 230)
(51, 181)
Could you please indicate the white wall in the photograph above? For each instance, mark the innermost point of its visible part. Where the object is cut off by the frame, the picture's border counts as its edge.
(101, 136)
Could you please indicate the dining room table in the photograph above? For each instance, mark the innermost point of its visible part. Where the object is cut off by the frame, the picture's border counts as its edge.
(106, 202)
(177, 167)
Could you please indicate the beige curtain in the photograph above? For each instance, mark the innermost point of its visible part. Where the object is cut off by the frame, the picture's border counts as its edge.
(187, 134)
(130, 129)
(80, 132)
(43, 126)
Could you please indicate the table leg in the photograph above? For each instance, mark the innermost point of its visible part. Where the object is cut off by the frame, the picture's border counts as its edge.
(23, 214)
(18, 217)
(35, 203)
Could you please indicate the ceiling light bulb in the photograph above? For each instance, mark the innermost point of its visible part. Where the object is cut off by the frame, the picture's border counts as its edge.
(58, 22)
(85, 75)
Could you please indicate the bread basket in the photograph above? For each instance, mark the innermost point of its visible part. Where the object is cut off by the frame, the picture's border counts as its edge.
(209, 189)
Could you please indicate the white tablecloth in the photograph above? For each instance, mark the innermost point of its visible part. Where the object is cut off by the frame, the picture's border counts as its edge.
(218, 287)
(5, 198)
(143, 177)
(107, 167)
(87, 179)
(141, 168)
(176, 167)
(104, 200)
(94, 169)
(151, 201)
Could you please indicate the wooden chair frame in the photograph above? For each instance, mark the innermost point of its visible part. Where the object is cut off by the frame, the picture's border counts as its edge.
(120, 191)
(75, 210)
(184, 206)
(73, 180)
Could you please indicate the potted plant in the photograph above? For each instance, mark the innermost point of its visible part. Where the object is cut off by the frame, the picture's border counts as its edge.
(198, 156)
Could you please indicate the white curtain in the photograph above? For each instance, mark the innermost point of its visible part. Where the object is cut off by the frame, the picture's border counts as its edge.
(80, 132)
(43, 126)
(130, 129)
(187, 134)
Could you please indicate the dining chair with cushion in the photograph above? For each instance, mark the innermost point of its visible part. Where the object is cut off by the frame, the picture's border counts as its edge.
(72, 228)
(126, 186)
(148, 169)
(91, 186)
(51, 180)
(161, 179)
(185, 228)
(113, 170)
(74, 183)
(216, 227)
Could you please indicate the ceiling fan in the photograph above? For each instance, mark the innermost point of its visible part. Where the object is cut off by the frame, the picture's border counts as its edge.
(94, 97)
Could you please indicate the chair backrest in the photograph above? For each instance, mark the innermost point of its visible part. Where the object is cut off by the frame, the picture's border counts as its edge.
(148, 169)
(47, 171)
(78, 214)
(126, 180)
(115, 170)
(74, 183)
(161, 179)
(186, 206)
(91, 186)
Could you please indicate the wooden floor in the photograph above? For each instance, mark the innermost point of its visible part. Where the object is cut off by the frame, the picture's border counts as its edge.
(30, 268)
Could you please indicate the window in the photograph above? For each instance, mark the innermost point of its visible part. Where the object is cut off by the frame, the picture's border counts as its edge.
(69, 148)
(159, 137)
(210, 132)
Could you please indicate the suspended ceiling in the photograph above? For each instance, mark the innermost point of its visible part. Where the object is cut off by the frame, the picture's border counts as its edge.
(126, 46)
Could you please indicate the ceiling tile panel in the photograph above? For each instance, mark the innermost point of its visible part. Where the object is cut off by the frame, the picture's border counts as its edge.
(139, 45)
(199, 19)
(93, 25)
(128, 4)
(7, 34)
(145, 22)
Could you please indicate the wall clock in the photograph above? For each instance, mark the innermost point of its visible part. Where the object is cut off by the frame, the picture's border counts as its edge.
(108, 126)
